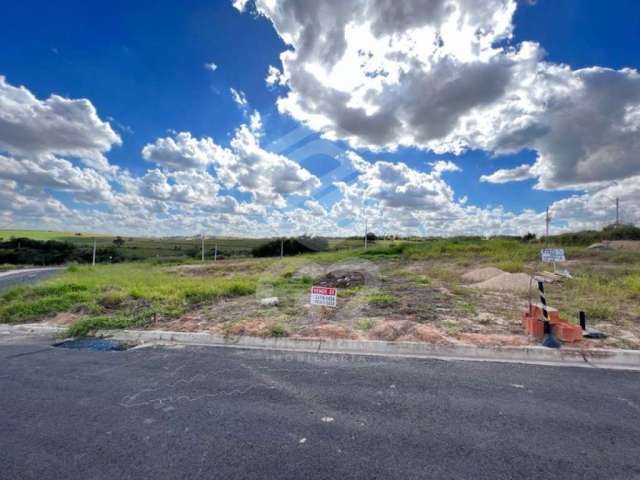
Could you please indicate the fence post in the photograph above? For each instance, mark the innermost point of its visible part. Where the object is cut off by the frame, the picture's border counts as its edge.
(549, 339)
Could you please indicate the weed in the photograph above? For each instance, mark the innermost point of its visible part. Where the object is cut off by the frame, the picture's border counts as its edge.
(278, 330)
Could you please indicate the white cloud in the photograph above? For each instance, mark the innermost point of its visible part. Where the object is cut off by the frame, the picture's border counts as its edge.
(59, 126)
(212, 67)
(240, 5)
(183, 152)
(274, 77)
(239, 97)
(445, 76)
(47, 171)
(269, 177)
(523, 172)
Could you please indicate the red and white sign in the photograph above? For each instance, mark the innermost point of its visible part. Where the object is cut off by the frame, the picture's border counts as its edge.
(324, 296)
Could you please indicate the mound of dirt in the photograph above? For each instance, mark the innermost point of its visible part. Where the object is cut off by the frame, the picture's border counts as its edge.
(482, 274)
(341, 279)
(506, 282)
(429, 334)
(328, 330)
(626, 245)
(390, 330)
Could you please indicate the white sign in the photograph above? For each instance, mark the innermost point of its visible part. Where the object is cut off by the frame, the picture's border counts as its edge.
(553, 255)
(324, 296)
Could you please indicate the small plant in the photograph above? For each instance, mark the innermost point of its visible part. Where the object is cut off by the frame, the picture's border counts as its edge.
(423, 280)
(469, 308)
(364, 324)
(278, 330)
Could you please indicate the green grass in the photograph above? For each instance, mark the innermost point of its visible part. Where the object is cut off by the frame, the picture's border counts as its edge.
(422, 280)
(278, 329)
(469, 308)
(381, 300)
(511, 266)
(364, 324)
(496, 249)
(120, 293)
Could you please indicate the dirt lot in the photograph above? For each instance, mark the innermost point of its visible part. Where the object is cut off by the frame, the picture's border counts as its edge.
(439, 301)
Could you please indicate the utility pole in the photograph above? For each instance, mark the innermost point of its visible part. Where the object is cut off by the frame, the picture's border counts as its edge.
(282, 247)
(366, 240)
(93, 262)
(547, 221)
(202, 235)
(617, 212)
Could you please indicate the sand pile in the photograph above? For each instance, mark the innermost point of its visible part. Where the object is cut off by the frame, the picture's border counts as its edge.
(482, 274)
(506, 282)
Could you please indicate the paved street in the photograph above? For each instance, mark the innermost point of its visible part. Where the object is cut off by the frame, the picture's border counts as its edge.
(16, 277)
(196, 412)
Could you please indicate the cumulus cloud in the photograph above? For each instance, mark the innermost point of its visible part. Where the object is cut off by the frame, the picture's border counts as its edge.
(523, 172)
(396, 189)
(50, 172)
(183, 151)
(267, 176)
(30, 127)
(445, 76)
(212, 67)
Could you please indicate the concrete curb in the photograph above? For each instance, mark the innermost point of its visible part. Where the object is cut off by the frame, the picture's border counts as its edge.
(10, 273)
(573, 357)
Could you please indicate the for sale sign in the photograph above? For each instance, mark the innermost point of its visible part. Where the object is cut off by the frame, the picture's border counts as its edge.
(324, 296)
(553, 255)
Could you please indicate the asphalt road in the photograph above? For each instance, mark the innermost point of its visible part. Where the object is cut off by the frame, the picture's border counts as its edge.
(215, 413)
(16, 277)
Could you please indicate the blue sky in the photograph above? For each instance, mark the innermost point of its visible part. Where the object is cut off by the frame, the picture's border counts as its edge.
(141, 65)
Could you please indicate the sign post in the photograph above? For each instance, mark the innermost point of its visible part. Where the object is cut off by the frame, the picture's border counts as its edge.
(325, 296)
(555, 255)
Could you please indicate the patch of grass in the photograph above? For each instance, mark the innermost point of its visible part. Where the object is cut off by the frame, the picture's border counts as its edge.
(364, 324)
(496, 249)
(599, 312)
(469, 308)
(631, 283)
(511, 266)
(113, 287)
(381, 300)
(86, 326)
(422, 280)
(445, 275)
(278, 330)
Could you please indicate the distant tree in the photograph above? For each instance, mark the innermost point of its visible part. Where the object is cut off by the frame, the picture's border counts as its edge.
(291, 246)
(529, 237)
(118, 241)
(371, 237)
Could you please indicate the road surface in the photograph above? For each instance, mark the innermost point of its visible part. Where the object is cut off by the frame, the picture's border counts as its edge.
(216, 413)
(12, 278)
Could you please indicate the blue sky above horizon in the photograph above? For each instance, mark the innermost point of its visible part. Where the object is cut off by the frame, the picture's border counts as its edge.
(142, 66)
